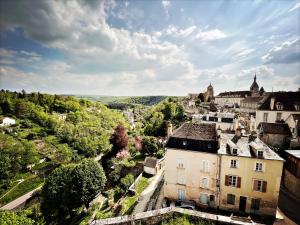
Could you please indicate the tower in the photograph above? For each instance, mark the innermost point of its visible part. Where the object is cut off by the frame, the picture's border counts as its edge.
(209, 93)
(254, 87)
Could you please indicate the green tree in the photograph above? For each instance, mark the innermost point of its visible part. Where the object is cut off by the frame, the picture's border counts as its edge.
(13, 218)
(149, 145)
(88, 179)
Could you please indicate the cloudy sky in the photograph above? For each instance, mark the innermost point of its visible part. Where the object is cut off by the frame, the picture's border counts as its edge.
(148, 47)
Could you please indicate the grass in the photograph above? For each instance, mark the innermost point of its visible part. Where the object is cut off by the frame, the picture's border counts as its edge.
(130, 201)
(13, 182)
(184, 220)
(21, 189)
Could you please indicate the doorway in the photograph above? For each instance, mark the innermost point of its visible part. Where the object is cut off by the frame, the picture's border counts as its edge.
(243, 203)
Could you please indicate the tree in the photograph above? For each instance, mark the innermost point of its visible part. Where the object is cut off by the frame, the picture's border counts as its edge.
(119, 139)
(88, 179)
(127, 181)
(13, 218)
(149, 146)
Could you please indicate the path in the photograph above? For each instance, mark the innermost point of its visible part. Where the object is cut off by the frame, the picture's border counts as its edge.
(19, 201)
(289, 205)
(147, 193)
(19, 182)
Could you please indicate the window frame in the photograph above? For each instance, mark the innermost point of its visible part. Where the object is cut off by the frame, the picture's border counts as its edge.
(231, 164)
(232, 179)
(232, 198)
(256, 167)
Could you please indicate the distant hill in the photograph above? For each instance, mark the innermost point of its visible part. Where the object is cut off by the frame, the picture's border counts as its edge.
(140, 100)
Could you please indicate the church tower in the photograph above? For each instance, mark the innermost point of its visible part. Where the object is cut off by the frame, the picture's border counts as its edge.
(209, 93)
(254, 87)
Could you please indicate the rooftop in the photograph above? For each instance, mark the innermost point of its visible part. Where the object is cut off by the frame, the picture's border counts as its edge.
(274, 128)
(150, 162)
(243, 147)
(196, 131)
(295, 153)
(251, 99)
(240, 94)
(287, 99)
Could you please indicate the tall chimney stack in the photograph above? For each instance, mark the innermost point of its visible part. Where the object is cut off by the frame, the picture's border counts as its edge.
(272, 103)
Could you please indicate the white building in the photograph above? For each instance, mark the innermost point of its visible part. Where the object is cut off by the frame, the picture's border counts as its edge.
(7, 122)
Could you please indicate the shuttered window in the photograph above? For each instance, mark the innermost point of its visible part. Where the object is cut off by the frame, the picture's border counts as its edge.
(205, 166)
(233, 181)
(255, 203)
(260, 185)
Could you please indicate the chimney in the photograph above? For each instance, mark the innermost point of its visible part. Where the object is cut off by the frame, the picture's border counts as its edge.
(238, 132)
(272, 103)
(169, 129)
(219, 131)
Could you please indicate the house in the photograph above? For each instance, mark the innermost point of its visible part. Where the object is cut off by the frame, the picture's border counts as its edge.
(6, 121)
(251, 103)
(224, 121)
(250, 175)
(293, 122)
(274, 134)
(191, 165)
(153, 165)
(278, 106)
(291, 174)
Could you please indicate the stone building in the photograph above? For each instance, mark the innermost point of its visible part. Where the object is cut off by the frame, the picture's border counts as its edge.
(250, 175)
(191, 165)
(293, 122)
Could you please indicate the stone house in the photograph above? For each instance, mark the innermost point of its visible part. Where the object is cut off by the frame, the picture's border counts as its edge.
(293, 122)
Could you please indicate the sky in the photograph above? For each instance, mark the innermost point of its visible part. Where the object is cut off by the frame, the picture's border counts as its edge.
(149, 47)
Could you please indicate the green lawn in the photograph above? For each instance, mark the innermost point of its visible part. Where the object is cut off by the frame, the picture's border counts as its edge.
(129, 201)
(21, 189)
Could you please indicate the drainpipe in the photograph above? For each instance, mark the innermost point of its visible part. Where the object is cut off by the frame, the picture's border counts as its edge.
(219, 178)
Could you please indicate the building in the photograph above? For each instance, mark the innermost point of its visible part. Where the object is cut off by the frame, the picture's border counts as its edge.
(223, 121)
(235, 98)
(153, 165)
(278, 106)
(291, 175)
(250, 175)
(6, 121)
(251, 103)
(206, 96)
(191, 165)
(274, 134)
(293, 122)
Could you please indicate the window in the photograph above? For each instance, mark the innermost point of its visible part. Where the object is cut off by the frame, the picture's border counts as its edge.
(232, 181)
(181, 195)
(255, 204)
(259, 185)
(180, 177)
(233, 163)
(278, 116)
(204, 183)
(260, 154)
(259, 167)
(297, 107)
(265, 119)
(234, 151)
(184, 143)
(230, 199)
(203, 199)
(279, 106)
(209, 145)
(180, 163)
(205, 166)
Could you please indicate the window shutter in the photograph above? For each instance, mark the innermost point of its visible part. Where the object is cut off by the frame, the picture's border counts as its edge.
(255, 185)
(226, 180)
(264, 188)
(239, 182)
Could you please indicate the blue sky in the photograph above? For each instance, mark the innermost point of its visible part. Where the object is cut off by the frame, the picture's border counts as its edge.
(148, 47)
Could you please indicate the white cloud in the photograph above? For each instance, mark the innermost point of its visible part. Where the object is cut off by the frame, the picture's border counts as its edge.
(166, 4)
(210, 35)
(285, 53)
(295, 7)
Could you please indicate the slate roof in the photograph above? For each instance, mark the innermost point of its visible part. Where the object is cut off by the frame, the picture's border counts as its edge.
(295, 153)
(150, 162)
(201, 137)
(251, 99)
(275, 128)
(234, 94)
(288, 99)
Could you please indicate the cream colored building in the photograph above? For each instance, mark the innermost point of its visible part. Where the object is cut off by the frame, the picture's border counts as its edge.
(191, 165)
(250, 175)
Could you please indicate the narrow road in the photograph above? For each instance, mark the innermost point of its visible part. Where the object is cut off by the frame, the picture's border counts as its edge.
(19, 201)
(147, 193)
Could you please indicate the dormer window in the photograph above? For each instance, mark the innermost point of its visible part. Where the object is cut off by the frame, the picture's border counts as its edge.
(234, 151)
(260, 154)
(297, 107)
(184, 143)
(279, 106)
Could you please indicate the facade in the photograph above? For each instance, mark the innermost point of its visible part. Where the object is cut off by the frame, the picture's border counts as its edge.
(250, 175)
(278, 106)
(191, 165)
(153, 165)
(291, 175)
(293, 122)
(231, 98)
(274, 134)
(250, 104)
(223, 121)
